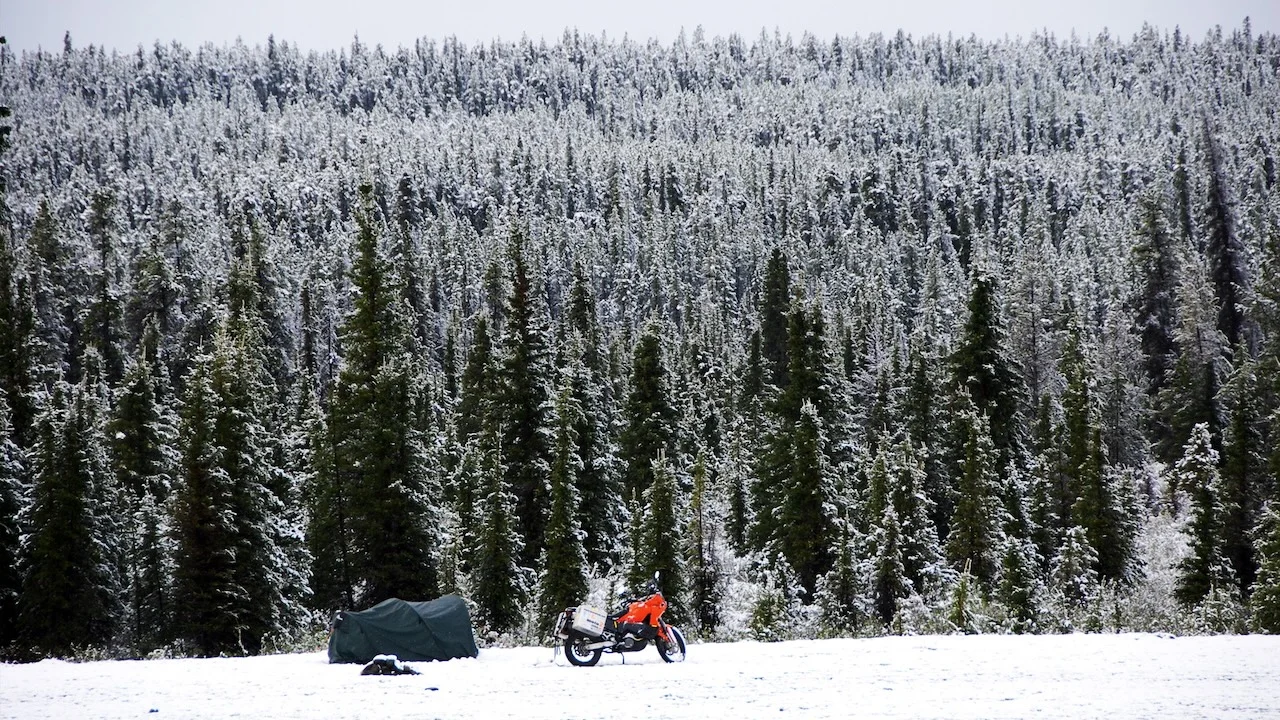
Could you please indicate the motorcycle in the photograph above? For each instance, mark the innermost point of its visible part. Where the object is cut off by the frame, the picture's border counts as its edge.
(587, 632)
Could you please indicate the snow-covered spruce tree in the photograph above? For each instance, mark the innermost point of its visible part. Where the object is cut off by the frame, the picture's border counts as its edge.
(889, 581)
(922, 555)
(841, 597)
(204, 533)
(795, 466)
(983, 367)
(1225, 251)
(272, 562)
(599, 483)
(775, 306)
(775, 613)
(324, 496)
(478, 385)
(18, 329)
(1197, 475)
(71, 586)
(563, 580)
(13, 499)
(805, 523)
(1265, 601)
(1157, 262)
(1072, 577)
(1020, 589)
(976, 528)
(155, 298)
(703, 553)
(1192, 396)
(526, 381)
(927, 432)
(104, 322)
(649, 418)
(1080, 461)
(661, 548)
(55, 291)
(498, 585)
(143, 434)
(380, 455)
(1243, 472)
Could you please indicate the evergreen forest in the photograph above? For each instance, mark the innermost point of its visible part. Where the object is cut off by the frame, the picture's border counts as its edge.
(843, 336)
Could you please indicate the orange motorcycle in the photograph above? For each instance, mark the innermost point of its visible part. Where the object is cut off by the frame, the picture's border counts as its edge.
(588, 632)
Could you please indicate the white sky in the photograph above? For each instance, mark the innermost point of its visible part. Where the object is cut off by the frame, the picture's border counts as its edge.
(331, 24)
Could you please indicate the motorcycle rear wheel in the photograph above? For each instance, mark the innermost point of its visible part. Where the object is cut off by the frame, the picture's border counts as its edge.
(672, 652)
(579, 656)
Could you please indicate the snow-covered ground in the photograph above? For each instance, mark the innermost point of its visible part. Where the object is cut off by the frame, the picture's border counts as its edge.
(1071, 676)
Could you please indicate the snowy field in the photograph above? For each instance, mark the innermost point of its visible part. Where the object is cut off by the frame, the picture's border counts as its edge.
(1073, 676)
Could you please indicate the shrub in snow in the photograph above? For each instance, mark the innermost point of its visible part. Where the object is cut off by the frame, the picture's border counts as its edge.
(777, 614)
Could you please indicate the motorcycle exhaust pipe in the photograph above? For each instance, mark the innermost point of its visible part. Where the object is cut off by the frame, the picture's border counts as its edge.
(599, 645)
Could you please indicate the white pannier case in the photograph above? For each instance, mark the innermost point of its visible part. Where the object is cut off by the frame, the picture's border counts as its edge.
(588, 620)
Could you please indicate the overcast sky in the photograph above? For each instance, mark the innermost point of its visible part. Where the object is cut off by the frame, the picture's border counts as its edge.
(330, 24)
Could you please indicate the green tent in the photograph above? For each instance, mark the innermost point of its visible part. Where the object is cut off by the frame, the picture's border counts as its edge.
(436, 630)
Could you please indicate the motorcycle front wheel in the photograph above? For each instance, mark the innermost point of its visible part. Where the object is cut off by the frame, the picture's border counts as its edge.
(575, 648)
(672, 651)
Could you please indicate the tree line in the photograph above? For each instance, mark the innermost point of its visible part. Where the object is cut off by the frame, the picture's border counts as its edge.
(860, 336)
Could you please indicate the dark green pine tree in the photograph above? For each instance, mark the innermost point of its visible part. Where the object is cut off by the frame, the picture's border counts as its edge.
(1193, 394)
(143, 437)
(479, 387)
(142, 433)
(254, 288)
(702, 553)
(1225, 252)
(649, 418)
(1265, 601)
(1090, 486)
(1019, 589)
(1079, 423)
(922, 556)
(71, 587)
(156, 296)
(564, 581)
(498, 585)
(976, 526)
(1156, 320)
(1243, 472)
(661, 544)
(328, 537)
(737, 523)
(889, 582)
(104, 324)
(56, 289)
(928, 433)
(805, 525)
(267, 565)
(13, 499)
(204, 582)
(526, 378)
(380, 457)
(982, 367)
(775, 306)
(599, 482)
(840, 596)
(17, 335)
(777, 457)
(1205, 568)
